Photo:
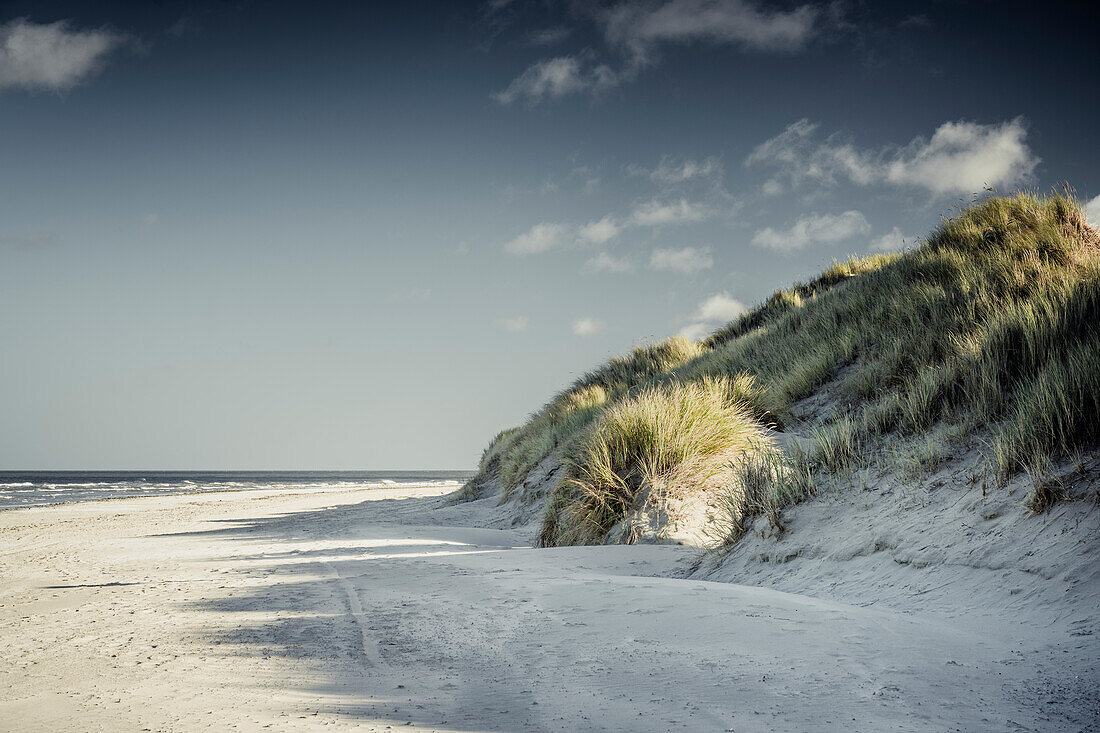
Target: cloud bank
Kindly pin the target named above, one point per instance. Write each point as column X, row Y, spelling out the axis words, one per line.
column 637, row 30
column 641, row 28
column 53, row 56
column 960, row 157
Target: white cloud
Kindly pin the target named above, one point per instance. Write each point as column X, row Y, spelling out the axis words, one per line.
column 658, row 213
column 961, row 157
column 813, row 229
column 688, row 260
column 549, row 235
column 964, row 157
column 1092, row 212
column 515, row 325
column 636, row 30
column 797, row 154
column 892, row 241
column 604, row 262
column 587, row 326
column 598, row 232
column 720, row 307
column 672, row 171
column 713, row 312
column 681, row 182
column 671, row 207
column 51, row 56
column 550, row 78
column 553, row 78
column 539, row 238
column 639, row 27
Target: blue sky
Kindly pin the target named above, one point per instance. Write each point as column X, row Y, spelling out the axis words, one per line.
column 258, row 235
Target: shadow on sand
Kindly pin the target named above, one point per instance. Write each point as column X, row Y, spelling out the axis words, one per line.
column 368, row 601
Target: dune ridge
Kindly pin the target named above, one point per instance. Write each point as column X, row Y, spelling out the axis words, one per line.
column 978, row 349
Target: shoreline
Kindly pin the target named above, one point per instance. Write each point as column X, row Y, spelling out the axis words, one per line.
column 257, row 493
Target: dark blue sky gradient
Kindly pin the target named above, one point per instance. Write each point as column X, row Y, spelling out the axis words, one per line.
column 271, row 235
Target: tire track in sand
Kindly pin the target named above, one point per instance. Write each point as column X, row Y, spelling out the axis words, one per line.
column 368, row 642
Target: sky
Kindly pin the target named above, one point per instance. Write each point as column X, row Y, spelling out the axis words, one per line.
column 255, row 235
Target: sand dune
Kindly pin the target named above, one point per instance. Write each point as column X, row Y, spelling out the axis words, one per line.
column 384, row 608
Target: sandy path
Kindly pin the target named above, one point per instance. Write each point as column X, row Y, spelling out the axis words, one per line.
column 386, row 608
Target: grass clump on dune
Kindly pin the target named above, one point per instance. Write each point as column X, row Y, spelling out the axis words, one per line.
column 991, row 326
column 666, row 438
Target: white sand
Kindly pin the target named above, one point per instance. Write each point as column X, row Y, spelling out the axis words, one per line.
column 382, row 608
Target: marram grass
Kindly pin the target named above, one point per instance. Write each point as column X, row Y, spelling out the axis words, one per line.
column 991, row 325
column 666, row 438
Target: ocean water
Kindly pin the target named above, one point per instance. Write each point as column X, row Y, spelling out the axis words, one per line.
column 39, row 488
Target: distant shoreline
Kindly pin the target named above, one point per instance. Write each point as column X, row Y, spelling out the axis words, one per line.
column 30, row 490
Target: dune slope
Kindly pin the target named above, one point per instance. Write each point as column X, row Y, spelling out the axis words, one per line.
column 980, row 347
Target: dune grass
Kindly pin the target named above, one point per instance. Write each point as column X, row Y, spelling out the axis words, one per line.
column 666, row 438
column 991, row 325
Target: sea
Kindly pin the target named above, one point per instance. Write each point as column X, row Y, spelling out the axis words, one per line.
column 41, row 488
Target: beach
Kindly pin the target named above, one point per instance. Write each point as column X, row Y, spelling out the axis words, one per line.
column 384, row 608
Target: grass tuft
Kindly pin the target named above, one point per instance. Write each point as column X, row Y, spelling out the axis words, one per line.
column 836, row 446
column 664, row 439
